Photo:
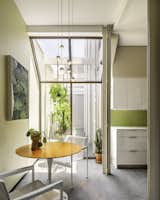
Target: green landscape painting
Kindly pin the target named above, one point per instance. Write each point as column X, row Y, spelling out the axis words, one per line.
column 18, row 97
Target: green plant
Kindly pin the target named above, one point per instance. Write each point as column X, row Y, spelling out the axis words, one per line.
column 61, row 113
column 98, row 141
column 36, row 138
column 33, row 133
column 58, row 93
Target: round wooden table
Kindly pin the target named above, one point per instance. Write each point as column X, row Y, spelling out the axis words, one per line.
column 49, row 151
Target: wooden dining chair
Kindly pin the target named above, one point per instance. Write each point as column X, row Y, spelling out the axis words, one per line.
column 35, row 190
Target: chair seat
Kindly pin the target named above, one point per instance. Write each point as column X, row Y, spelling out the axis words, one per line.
column 51, row 195
column 66, row 162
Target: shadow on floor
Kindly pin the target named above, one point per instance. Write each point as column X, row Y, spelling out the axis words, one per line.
column 124, row 184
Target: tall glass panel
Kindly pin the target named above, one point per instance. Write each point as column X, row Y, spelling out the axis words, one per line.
column 56, row 110
column 86, row 111
column 86, row 59
column 52, row 58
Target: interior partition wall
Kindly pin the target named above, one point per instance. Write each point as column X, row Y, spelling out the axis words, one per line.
column 71, row 65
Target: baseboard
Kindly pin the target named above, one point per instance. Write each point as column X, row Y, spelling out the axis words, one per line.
column 90, row 157
column 131, row 166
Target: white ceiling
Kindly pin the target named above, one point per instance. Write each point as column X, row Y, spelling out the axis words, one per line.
column 128, row 16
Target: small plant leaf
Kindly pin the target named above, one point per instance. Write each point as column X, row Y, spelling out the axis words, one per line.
column 44, row 140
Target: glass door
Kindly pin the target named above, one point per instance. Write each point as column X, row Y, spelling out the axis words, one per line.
column 86, row 111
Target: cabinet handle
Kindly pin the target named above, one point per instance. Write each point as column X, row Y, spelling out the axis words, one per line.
column 133, row 151
column 133, row 137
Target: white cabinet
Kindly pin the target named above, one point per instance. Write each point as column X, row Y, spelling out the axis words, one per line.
column 120, row 99
column 129, row 93
column 129, row 147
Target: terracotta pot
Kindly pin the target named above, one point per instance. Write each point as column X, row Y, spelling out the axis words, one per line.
column 98, row 158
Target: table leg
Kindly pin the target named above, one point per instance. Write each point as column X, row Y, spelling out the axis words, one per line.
column 49, row 161
column 87, row 162
column 71, row 171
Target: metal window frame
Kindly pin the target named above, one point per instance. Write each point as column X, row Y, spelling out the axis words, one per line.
column 105, row 65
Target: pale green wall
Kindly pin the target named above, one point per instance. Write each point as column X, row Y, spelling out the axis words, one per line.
column 33, row 98
column 130, row 61
column 13, row 41
column 128, row 118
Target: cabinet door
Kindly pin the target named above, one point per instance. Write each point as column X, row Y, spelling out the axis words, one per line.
column 132, row 143
column 144, row 99
column 132, row 158
column 119, row 93
column 132, row 132
column 133, row 93
column 129, row 93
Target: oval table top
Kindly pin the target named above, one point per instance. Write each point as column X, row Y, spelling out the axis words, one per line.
column 50, row 150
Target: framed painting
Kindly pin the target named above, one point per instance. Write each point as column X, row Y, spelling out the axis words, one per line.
column 18, row 90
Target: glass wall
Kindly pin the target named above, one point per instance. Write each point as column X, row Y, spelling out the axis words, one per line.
column 56, row 110
column 70, row 72
column 87, row 59
column 86, row 111
column 69, row 59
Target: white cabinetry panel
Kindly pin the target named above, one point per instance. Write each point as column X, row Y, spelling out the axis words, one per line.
column 131, row 144
column 131, row 158
column 138, row 132
column 128, row 146
column 120, row 97
column 129, row 93
column 144, row 93
column 133, row 94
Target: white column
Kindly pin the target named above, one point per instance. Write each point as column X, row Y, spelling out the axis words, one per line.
column 154, row 100
column 106, row 88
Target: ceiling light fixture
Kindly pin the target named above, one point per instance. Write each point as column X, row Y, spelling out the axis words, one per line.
column 73, row 78
column 58, row 58
column 61, row 69
column 61, row 22
column 61, row 46
column 68, row 69
column 70, row 23
column 69, row 62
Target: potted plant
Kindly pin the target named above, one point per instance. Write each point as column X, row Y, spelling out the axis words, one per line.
column 98, row 145
column 36, row 137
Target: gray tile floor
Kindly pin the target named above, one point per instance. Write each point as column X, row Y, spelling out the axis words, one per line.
column 121, row 185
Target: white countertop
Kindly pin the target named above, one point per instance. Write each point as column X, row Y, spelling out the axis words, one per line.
column 129, row 127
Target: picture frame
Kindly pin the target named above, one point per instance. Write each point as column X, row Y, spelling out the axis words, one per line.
column 18, row 90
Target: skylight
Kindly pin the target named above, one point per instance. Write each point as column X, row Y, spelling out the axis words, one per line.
column 64, row 59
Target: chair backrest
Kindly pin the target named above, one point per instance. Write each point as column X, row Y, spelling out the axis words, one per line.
column 83, row 141
column 3, row 191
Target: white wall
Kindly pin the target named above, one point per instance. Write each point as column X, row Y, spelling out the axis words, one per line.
column 13, row 41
